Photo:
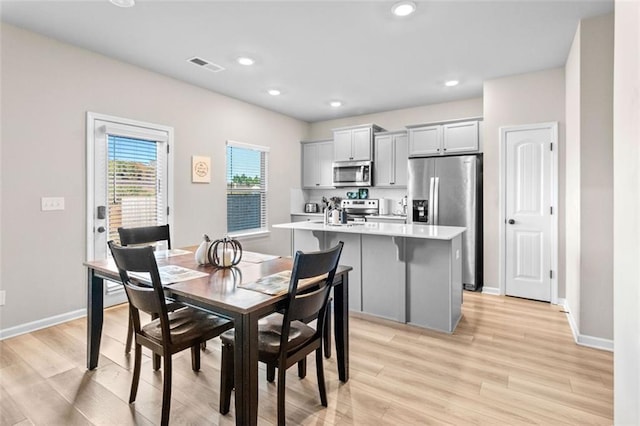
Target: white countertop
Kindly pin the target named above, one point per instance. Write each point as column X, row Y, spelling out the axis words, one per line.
column 389, row 229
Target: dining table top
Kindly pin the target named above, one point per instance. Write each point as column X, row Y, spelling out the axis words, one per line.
column 218, row 287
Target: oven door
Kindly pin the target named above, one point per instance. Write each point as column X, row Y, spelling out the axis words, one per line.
column 356, row 173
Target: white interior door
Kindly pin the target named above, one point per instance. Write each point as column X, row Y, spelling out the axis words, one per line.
column 528, row 204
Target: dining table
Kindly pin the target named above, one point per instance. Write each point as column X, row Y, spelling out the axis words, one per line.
column 227, row 292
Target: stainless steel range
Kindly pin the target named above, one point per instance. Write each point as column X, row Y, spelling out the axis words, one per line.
column 358, row 210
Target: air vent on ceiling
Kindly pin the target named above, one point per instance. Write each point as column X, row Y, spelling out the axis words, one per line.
column 206, row 64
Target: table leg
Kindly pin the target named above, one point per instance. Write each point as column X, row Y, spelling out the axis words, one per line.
column 95, row 295
column 246, row 369
column 341, row 324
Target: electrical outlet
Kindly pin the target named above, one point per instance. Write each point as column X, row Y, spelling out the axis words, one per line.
column 3, row 297
column 51, row 203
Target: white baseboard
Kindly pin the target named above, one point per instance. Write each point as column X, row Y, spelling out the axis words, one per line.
column 583, row 339
column 40, row 324
column 491, row 290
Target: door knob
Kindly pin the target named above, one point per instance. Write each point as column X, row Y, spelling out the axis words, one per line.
column 511, row 221
column 101, row 229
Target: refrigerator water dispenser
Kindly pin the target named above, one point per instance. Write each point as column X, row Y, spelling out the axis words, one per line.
column 420, row 211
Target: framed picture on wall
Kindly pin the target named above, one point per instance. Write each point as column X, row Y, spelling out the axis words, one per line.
column 200, row 169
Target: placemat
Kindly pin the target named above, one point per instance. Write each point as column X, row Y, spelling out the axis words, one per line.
column 170, row 274
column 274, row 284
column 253, row 257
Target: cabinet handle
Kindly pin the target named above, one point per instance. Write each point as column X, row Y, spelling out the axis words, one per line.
column 444, row 149
column 317, row 184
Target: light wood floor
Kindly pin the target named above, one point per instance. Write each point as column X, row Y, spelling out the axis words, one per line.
column 510, row 361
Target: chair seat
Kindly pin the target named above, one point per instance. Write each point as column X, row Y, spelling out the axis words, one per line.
column 186, row 325
column 269, row 331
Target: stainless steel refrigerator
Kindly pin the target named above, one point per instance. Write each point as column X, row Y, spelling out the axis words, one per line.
column 448, row 191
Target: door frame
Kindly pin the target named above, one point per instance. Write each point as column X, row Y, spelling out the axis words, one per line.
column 92, row 117
column 502, row 275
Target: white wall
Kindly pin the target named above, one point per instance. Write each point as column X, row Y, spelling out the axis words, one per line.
column 589, row 257
column 520, row 99
column 626, row 151
column 596, row 177
column 47, row 88
column 398, row 119
column 572, row 177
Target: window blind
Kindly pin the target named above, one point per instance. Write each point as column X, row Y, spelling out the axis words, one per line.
column 246, row 188
column 134, row 194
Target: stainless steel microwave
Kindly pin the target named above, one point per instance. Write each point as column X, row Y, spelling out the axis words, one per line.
column 352, row 173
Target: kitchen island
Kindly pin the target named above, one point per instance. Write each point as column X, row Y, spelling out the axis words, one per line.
column 407, row 273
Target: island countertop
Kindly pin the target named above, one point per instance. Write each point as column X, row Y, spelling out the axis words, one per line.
column 389, row 229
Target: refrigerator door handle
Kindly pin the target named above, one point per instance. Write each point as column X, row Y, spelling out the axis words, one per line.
column 430, row 203
column 436, row 186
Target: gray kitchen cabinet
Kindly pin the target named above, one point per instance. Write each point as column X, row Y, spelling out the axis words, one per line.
column 354, row 143
column 446, row 138
column 425, row 140
column 430, row 262
column 387, row 219
column 391, row 154
column 351, row 256
column 317, row 157
column 384, row 277
column 460, row 137
column 308, row 217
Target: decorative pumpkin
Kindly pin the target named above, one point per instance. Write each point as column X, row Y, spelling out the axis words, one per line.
column 225, row 253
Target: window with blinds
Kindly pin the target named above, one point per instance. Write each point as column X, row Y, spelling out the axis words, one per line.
column 134, row 196
column 246, row 188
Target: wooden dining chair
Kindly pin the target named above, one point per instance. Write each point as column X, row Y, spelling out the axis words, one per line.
column 171, row 332
column 285, row 339
column 145, row 235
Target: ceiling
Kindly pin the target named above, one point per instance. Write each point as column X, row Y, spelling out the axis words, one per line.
column 318, row 51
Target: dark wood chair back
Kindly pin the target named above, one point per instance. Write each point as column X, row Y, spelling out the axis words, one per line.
column 141, row 297
column 310, row 304
column 144, row 235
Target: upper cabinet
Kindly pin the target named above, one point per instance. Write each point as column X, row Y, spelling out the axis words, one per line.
column 446, row 138
column 354, row 143
column 317, row 157
column 391, row 154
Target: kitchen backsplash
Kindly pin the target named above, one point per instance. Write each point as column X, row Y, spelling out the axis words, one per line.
column 299, row 196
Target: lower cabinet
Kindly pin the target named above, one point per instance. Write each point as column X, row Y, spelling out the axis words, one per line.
column 312, row 241
column 350, row 256
column 384, row 277
column 429, row 264
column 380, row 219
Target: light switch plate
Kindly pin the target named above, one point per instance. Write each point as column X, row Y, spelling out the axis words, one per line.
column 3, row 297
column 51, row 203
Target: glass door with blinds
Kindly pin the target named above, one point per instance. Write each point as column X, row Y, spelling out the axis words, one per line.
column 130, row 184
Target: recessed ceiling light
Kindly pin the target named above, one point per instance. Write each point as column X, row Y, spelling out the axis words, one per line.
column 403, row 8
column 451, row 83
column 123, row 3
column 335, row 104
column 274, row 92
column 245, row 60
